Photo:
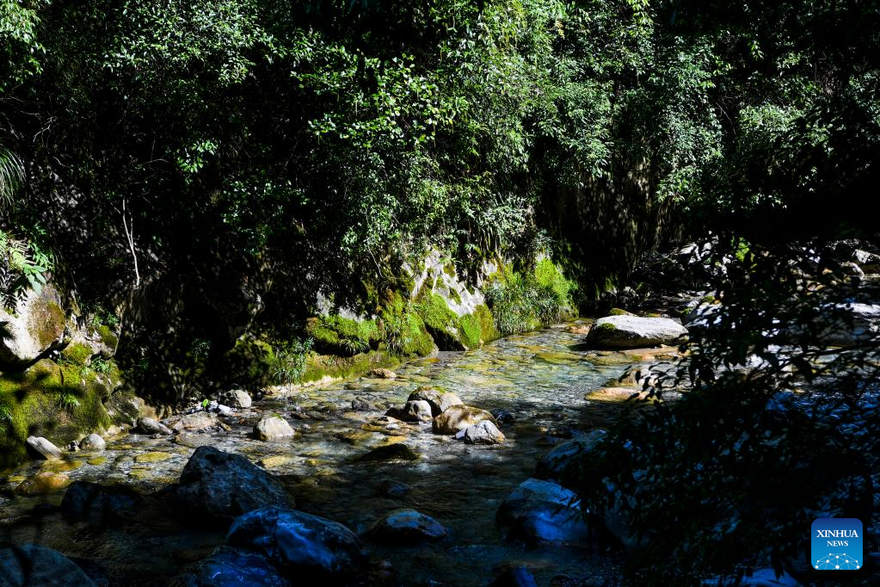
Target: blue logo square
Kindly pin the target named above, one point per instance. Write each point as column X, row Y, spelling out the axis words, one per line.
column 836, row 544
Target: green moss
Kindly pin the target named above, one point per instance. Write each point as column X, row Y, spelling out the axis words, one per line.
column 32, row 404
column 618, row 312
column 47, row 323
column 248, row 363
column 548, row 275
column 488, row 332
column 320, row 366
column 606, row 327
column 404, row 331
column 471, row 331
column 435, row 313
column 343, row 336
column 108, row 337
column 77, row 353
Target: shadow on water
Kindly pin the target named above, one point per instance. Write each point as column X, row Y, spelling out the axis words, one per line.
column 540, row 378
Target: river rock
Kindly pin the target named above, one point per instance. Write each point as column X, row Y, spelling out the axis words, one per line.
column 239, row 398
column 412, row 411
column 562, row 463
column 503, row 416
column 32, row 565
column 861, row 325
column 151, row 426
column 99, row 504
column 233, row 567
column 393, row 489
column 35, row 327
column 484, row 432
column 440, row 401
column 311, row 549
column 220, row 486
column 628, row 332
column 382, row 374
column 273, row 428
column 195, row 422
column 458, row 418
column 515, row 577
column 92, row 442
column 40, row 448
column 406, row 526
column 390, row 452
column 194, row 439
column 43, row 483
column 868, row 262
column 543, row 512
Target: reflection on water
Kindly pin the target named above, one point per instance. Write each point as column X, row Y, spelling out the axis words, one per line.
column 541, row 378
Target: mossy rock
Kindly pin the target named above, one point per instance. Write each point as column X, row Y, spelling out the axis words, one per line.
column 343, row 336
column 107, row 336
column 248, row 363
column 77, row 353
column 62, row 402
column 319, row 366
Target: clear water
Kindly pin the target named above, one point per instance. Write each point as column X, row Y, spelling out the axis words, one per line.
column 540, row 377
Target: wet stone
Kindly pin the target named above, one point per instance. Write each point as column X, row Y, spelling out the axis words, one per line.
column 43, row 483
column 406, row 526
column 390, row 452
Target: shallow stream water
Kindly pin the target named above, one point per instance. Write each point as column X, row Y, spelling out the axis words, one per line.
column 541, row 378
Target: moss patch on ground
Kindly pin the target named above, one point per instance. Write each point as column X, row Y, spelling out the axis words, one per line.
column 60, row 401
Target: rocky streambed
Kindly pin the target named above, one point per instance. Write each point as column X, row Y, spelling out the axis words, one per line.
column 331, row 468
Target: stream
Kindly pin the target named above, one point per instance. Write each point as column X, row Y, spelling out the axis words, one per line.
column 540, row 378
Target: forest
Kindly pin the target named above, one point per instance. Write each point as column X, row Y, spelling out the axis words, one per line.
column 508, row 292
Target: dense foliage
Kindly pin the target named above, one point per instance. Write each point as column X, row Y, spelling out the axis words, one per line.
column 776, row 427
column 176, row 148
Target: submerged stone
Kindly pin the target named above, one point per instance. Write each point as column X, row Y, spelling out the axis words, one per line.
column 543, row 512
column 307, row 547
column 406, row 526
column 35, row 565
column 98, row 504
column 234, row 567
column 390, row 452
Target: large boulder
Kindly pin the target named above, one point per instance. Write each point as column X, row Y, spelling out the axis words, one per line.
column 406, row 526
column 440, row 401
column 629, row 332
column 273, row 428
column 563, row 462
column 233, row 567
column 543, row 512
column 93, row 442
column 311, row 549
column 34, row 328
column 32, row 564
column 484, row 432
column 459, row 418
column 412, row 411
column 220, row 486
column 99, row 504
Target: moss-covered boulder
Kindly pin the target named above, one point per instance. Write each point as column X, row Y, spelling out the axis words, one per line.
column 343, row 336
column 35, row 326
column 59, row 401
